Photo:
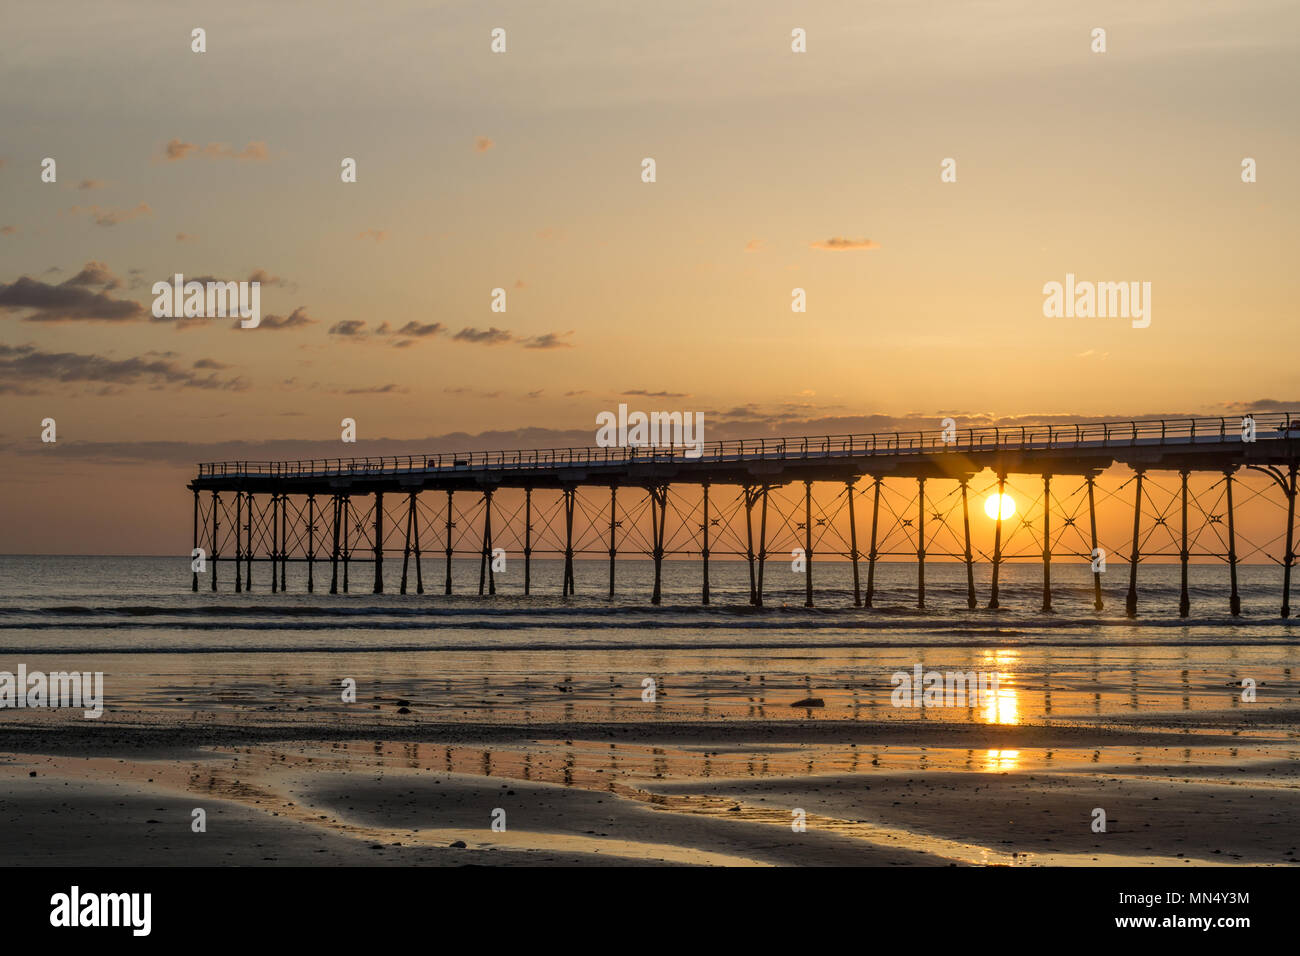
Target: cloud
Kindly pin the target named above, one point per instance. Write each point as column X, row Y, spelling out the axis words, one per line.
column 184, row 237
column 405, row 337
column 482, row 144
column 754, row 245
column 297, row 319
column 350, row 327
column 839, row 244
column 379, row 235
column 8, row 230
column 490, row 336
column 377, row 390
column 176, row 150
column 111, row 217
column 95, row 274
column 87, row 184
column 1260, row 405
column 25, row 363
column 265, row 278
column 465, row 390
column 210, row 363
column 181, row 323
column 260, row 276
column 549, row 340
column 476, row 336
column 749, row 421
column 71, row 301
column 421, row 329
column 644, row 394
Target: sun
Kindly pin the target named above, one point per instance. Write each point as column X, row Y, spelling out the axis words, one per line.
column 991, row 506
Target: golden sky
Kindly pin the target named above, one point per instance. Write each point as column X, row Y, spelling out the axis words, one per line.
column 522, row 171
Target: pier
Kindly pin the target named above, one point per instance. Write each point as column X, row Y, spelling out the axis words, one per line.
column 751, row 499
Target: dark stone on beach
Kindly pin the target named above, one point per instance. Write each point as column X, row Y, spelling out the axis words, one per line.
column 458, row 845
column 403, row 703
column 809, row 702
column 32, row 774
column 403, row 710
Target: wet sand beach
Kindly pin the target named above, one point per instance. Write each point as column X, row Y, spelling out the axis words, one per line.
column 1220, row 790
column 601, row 735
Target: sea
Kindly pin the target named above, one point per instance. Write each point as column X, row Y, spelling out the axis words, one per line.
column 515, row 657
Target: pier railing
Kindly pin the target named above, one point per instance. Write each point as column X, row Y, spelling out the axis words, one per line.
column 1100, row 435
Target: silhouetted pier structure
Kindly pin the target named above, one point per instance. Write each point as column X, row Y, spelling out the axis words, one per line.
column 333, row 512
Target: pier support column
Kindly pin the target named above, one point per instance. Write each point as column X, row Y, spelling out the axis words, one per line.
column 1234, row 599
column 762, row 547
column 345, row 508
column 415, row 512
column 334, row 550
column 284, row 543
column 528, row 540
column 1092, row 522
column 274, row 554
column 750, row 498
column 613, row 548
column 216, row 510
column 920, row 542
column 1290, row 544
column 569, row 494
column 379, row 542
column 282, row 563
column 406, row 544
column 872, row 554
column 1131, row 602
column 970, row 561
column 1184, row 599
column 853, row 543
column 194, row 575
column 807, row 544
column 311, row 543
column 239, row 542
column 704, row 593
column 450, row 525
column 248, row 545
column 997, row 545
column 485, row 575
column 659, row 518
column 1047, row 544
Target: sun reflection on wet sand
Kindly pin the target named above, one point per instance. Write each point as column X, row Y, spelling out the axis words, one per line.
column 998, row 760
column 1002, row 706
